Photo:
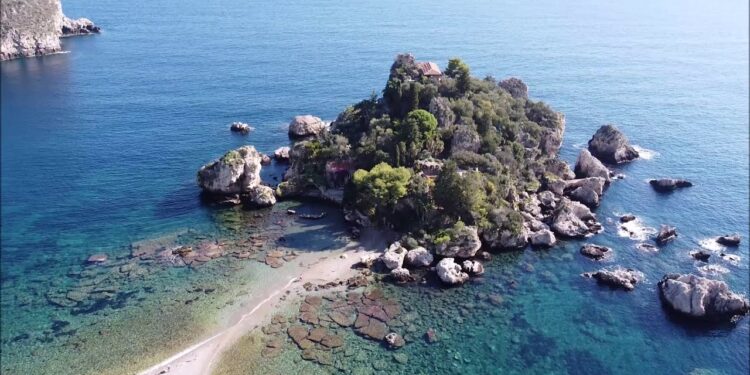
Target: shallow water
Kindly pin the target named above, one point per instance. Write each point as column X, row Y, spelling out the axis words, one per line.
column 100, row 148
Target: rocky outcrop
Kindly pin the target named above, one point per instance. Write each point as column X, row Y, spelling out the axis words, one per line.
column 589, row 166
column 240, row 127
column 622, row 278
column 665, row 185
column 261, row 196
column 465, row 139
column 281, row 154
column 401, row 275
column 450, row 272
column 586, row 190
column 441, row 109
column 595, row 251
column 34, row 27
column 464, row 243
column 701, row 255
column 729, row 240
column 298, row 184
column 611, row 146
column 701, row 298
column 419, row 257
column 627, row 218
column 394, row 256
column 515, row 87
column 306, row 126
column 666, row 234
column 472, row 267
column 504, row 239
column 543, row 238
column 237, row 175
column 574, row 220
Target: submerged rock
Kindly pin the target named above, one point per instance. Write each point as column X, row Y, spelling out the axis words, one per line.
column 450, row 272
column 669, row 184
column 729, row 240
column 97, row 258
column 701, row 298
column 394, row 340
column 610, row 145
column 306, row 126
column 624, row 278
column 595, row 251
column 589, row 166
column 464, row 243
column 666, row 234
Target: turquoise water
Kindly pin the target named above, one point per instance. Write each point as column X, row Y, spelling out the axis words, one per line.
column 100, row 148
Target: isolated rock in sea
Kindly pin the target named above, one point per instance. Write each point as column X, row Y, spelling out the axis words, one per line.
column 729, row 240
column 701, row 298
column 419, row 257
column 589, row 166
column 265, row 159
column 515, row 87
column 543, row 238
column 394, row 257
column 450, row 272
column 627, row 218
column 665, row 185
column 237, row 172
column 701, row 255
column 281, row 153
column 610, row 145
column 34, row 27
column 240, row 127
column 473, row 267
column 394, row 340
column 624, row 278
column 261, row 196
column 464, row 243
column 306, row 126
column 401, row 275
column 595, row 251
column 574, row 220
column 666, row 234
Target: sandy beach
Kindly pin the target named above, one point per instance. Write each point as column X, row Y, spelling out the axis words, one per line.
column 317, row 268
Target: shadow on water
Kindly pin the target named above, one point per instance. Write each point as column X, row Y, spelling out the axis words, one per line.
column 180, row 202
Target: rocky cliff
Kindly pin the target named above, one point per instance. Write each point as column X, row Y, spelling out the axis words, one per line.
column 34, row 27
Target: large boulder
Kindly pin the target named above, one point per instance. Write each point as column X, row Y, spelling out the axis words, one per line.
column 261, row 196
column 306, row 126
column 665, row 185
column 81, row 26
column 589, row 166
column 515, row 87
column 237, row 172
column 729, row 240
column 543, row 238
column 610, row 145
column 574, row 220
column 464, row 243
column 401, row 275
column 419, row 257
column 595, row 251
column 623, row 278
column 666, row 234
column 473, row 267
column 281, row 153
column 450, row 272
column 701, row 298
column 394, row 256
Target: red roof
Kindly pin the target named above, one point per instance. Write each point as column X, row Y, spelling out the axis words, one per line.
column 429, row 68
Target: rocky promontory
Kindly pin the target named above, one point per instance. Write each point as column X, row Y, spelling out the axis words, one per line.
column 34, row 28
column 235, row 178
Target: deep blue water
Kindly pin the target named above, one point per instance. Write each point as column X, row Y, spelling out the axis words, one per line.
column 100, row 145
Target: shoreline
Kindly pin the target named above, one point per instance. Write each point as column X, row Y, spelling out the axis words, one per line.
column 318, row 267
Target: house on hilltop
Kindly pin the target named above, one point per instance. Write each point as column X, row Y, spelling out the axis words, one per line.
column 429, row 69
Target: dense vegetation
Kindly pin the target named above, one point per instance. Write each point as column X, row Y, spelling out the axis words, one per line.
column 432, row 153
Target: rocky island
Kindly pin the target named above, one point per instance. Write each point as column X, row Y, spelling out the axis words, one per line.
column 34, row 28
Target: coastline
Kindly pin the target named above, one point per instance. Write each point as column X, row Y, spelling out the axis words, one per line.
column 318, row 267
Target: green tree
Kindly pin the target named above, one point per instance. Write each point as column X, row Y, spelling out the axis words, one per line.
column 379, row 190
column 461, row 197
column 460, row 71
column 417, row 132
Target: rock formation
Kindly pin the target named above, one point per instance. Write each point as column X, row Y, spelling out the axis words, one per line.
column 464, row 244
column 419, row 257
column 281, row 153
column 394, row 256
column 34, row 27
column 623, row 278
column 665, row 185
column 450, row 272
column 589, row 166
column 701, row 298
column 574, row 220
column 306, row 126
column 595, row 251
column 515, row 87
column 240, row 127
column 729, row 240
column 666, row 234
column 611, row 146
column 236, row 174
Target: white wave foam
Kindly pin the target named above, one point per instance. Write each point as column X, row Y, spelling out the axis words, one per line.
column 635, row 230
column 711, row 244
column 579, row 146
column 713, row 269
column 645, row 153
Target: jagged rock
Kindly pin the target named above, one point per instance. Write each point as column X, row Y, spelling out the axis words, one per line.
column 465, row 139
column 238, row 171
column 419, row 257
column 441, row 109
column 306, row 126
column 701, row 255
column 394, row 340
column 450, row 272
column 464, row 243
column 473, row 267
column 666, row 234
column 81, row 26
column 574, row 220
column 665, row 185
column 627, row 218
column 553, row 126
column 611, row 146
column 543, row 238
column 401, row 275
column 595, row 251
column 585, row 195
column 729, row 240
column 261, row 196
column 701, row 298
column 547, row 199
column 589, row 166
column 624, row 278
column 281, row 153
column 240, row 127
column 394, row 256
column 515, row 87
column 505, row 239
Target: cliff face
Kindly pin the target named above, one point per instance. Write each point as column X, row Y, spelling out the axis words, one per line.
column 34, row 27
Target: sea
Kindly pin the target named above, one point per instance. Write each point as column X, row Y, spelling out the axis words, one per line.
column 101, row 144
